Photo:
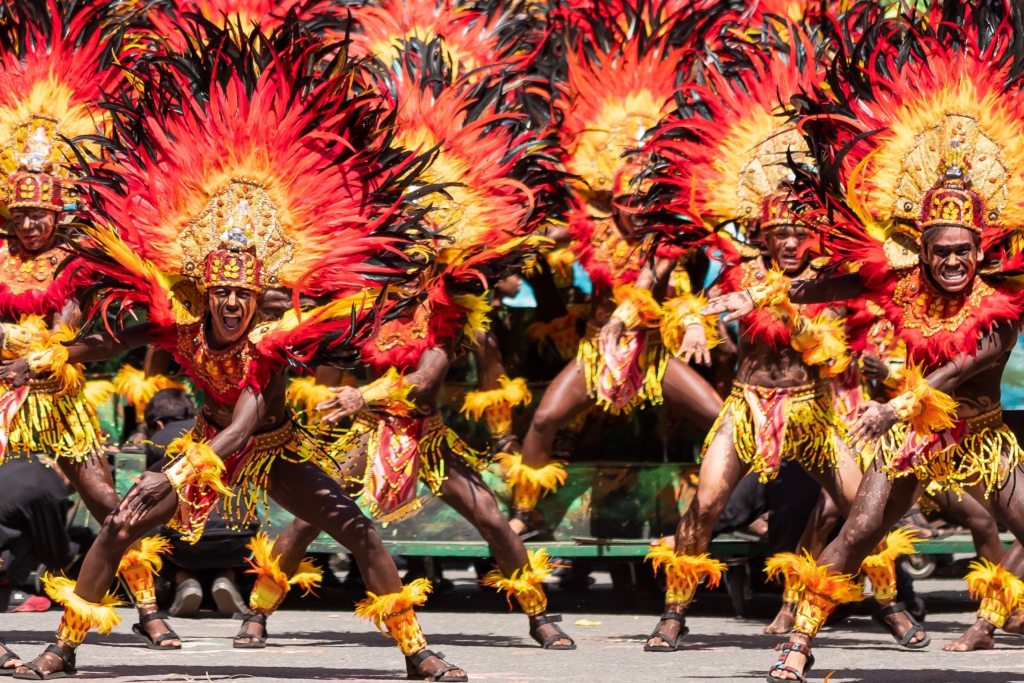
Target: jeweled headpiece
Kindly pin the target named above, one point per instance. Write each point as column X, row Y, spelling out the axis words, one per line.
column 779, row 210
column 951, row 203
column 58, row 62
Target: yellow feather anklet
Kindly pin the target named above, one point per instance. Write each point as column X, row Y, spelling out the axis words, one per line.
column 683, row 573
column 525, row 583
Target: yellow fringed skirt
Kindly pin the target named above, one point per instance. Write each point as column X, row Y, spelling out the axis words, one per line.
column 400, row 451
column 771, row 424
column 621, row 385
column 61, row 425
column 976, row 450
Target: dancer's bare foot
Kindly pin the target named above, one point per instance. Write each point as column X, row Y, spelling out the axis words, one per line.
column 48, row 662
column 977, row 637
column 795, row 660
column 1015, row 623
column 157, row 627
column 784, row 620
column 518, row 525
column 10, row 663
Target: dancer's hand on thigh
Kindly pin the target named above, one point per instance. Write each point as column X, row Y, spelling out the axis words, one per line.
column 15, row 372
column 149, row 490
column 874, row 421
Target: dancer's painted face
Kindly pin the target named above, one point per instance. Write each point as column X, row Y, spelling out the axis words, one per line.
column 231, row 311
column 951, row 255
column 33, row 227
column 784, row 244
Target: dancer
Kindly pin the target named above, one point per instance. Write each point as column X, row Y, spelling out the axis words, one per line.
column 926, row 235
column 781, row 404
column 65, row 58
column 612, row 56
column 227, row 176
column 398, row 438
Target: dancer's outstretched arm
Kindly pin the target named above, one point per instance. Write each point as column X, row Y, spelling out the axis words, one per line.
column 825, row 290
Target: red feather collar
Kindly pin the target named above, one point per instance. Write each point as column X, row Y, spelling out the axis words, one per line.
column 937, row 327
column 762, row 323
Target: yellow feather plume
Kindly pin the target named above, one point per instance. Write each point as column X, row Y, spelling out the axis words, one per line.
column 513, row 392
column 478, row 310
column 205, row 463
column 636, row 307
column 935, row 410
column 101, row 617
column 985, row 575
column 97, row 392
column 837, row 588
column 307, row 577
column 148, row 554
column 679, row 313
column 899, row 542
column 822, row 341
column 781, row 565
column 305, row 394
column 137, row 389
column 548, row 477
column 539, row 567
column 376, row 608
column 389, row 393
column 264, row 562
column 695, row 567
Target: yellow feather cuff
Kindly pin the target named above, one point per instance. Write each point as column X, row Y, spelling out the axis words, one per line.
column 837, row 588
column 53, row 359
column 17, row 340
column 147, row 555
column 390, row 393
column 549, row 477
column 683, row 573
column 305, row 394
column 985, row 576
column 307, row 577
column 785, row 565
column 198, row 465
column 926, row 409
column 264, row 562
column 822, row 341
column 100, row 616
column 636, row 307
column 512, row 392
column 898, row 543
column 773, row 293
column 377, row 608
column 523, row 581
column 681, row 312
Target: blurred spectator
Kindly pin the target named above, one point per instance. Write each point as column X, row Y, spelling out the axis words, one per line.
column 34, row 507
column 168, row 415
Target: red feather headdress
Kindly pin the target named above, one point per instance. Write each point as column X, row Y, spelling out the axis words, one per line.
column 237, row 164
column 57, row 58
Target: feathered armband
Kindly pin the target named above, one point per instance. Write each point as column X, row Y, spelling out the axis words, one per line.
column 683, row 312
column 822, row 341
column 195, row 463
column 52, row 359
column 773, row 293
column 926, row 409
column 389, row 394
column 636, row 307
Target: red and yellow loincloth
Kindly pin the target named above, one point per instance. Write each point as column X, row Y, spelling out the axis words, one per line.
column 769, row 423
column 41, row 417
column 622, row 378
column 245, row 473
column 400, row 452
column 976, row 450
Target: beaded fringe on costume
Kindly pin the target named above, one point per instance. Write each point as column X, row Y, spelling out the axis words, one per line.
column 771, row 423
column 80, row 615
column 394, row 615
column 683, row 573
column 526, row 583
column 976, row 450
column 62, row 425
column 1000, row 591
column 621, row 385
column 137, row 568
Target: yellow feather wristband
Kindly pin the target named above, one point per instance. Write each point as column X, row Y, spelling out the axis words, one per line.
column 52, row 359
column 822, row 341
column 390, row 393
column 680, row 313
column 17, row 340
column 927, row 410
column 636, row 307
column 773, row 293
column 197, row 465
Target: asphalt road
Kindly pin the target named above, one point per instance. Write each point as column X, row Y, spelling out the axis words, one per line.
column 493, row 646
